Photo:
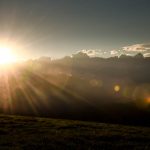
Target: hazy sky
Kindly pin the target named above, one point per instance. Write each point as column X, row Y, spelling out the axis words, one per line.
column 62, row 27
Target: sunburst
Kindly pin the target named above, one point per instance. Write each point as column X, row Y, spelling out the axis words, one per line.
column 6, row 55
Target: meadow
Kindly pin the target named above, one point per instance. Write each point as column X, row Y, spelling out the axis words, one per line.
column 20, row 132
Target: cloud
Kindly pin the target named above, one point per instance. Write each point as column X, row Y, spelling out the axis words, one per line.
column 91, row 52
column 137, row 48
column 147, row 55
column 114, row 52
column 126, row 50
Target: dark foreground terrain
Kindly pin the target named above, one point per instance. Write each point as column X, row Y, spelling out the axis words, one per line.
column 17, row 132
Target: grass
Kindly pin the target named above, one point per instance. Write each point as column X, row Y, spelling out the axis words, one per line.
column 19, row 132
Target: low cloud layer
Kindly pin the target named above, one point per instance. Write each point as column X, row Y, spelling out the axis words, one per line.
column 91, row 52
column 147, row 55
column 127, row 50
column 132, row 50
column 114, row 52
column 137, row 48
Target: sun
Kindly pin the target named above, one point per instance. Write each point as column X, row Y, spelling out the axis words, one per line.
column 6, row 55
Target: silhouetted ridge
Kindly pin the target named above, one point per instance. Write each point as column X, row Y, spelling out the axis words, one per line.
column 115, row 89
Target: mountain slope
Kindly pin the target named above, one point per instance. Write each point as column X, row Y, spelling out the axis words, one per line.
column 18, row 132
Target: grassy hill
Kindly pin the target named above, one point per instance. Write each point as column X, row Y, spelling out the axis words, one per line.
column 18, row 132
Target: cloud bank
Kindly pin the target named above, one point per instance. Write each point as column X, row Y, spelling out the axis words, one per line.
column 91, row 52
column 147, row 55
column 114, row 52
column 126, row 50
column 137, row 48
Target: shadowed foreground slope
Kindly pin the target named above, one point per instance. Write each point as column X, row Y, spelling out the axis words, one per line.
column 18, row 132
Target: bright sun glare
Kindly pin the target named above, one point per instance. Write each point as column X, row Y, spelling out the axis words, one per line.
column 6, row 55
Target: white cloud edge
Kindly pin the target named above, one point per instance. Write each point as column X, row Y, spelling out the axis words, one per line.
column 127, row 50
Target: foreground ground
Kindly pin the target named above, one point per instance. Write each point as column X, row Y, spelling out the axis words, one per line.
column 17, row 132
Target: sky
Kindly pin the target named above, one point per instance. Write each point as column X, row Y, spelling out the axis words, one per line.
column 57, row 28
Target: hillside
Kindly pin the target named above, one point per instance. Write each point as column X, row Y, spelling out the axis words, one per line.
column 18, row 132
column 113, row 90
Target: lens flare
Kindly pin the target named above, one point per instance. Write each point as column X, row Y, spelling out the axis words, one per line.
column 148, row 100
column 117, row 88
